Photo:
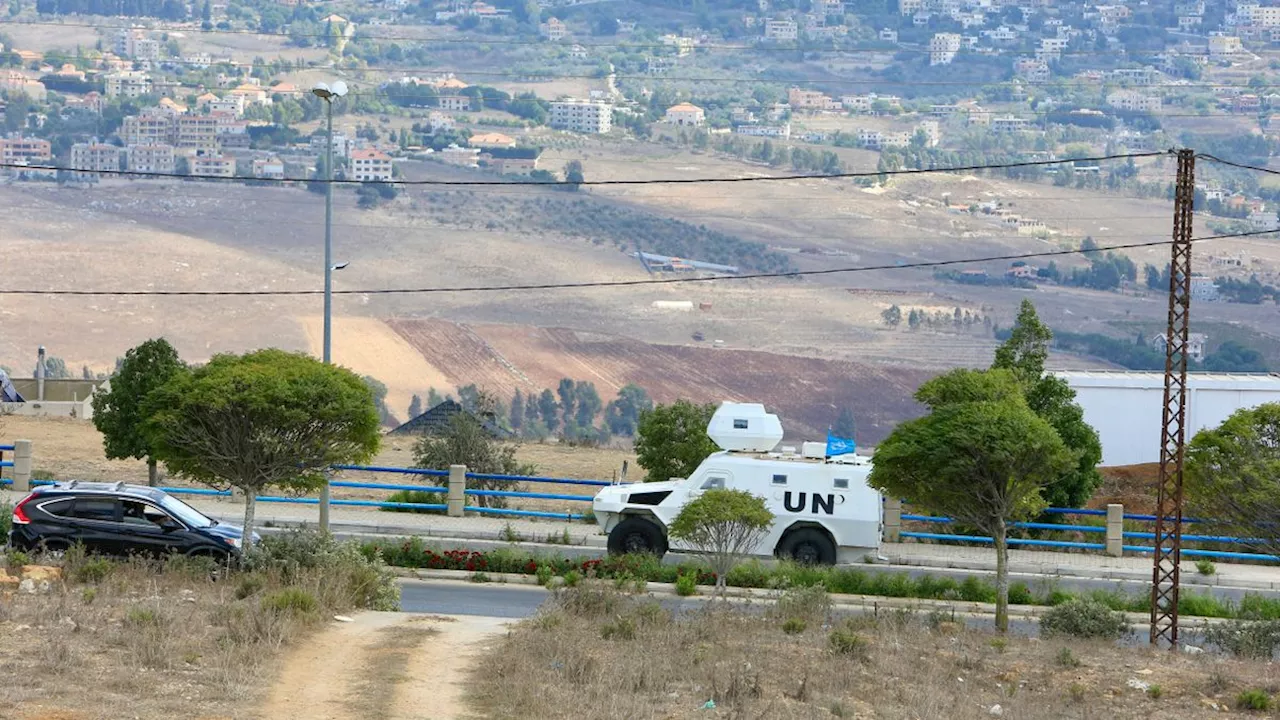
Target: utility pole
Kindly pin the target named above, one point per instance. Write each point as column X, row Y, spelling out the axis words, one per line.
column 1168, row 532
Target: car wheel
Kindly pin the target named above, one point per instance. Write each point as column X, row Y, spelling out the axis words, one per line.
column 808, row 546
column 637, row 535
column 53, row 547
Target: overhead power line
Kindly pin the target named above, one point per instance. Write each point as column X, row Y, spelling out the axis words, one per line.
column 599, row 183
column 359, row 35
column 614, row 283
column 1242, row 166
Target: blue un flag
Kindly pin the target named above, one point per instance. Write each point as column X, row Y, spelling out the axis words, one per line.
column 839, row 445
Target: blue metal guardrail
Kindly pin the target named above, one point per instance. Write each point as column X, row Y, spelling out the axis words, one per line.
column 1061, row 544
column 392, row 487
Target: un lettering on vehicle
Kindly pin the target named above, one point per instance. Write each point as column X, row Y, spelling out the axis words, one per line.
column 818, row 503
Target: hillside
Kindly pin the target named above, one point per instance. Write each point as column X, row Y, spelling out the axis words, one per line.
column 806, row 392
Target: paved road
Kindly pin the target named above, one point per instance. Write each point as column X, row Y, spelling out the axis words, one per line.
column 444, row 597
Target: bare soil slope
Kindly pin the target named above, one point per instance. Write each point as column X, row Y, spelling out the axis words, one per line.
column 807, row 392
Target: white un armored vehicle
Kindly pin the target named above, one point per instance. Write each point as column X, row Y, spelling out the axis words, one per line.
column 824, row 511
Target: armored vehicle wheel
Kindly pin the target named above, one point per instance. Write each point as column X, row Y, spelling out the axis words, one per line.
column 637, row 535
column 808, row 546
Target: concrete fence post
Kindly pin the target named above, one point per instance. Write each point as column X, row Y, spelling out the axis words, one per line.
column 1115, row 530
column 21, row 465
column 457, row 490
column 892, row 520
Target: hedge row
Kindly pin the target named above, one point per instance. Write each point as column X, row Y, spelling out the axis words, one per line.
column 414, row 553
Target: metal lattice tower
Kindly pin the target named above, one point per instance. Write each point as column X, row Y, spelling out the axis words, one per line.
column 1168, row 540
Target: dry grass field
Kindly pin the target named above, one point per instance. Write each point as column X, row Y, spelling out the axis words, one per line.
column 600, row 654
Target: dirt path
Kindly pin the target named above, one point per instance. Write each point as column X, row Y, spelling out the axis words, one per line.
column 382, row 666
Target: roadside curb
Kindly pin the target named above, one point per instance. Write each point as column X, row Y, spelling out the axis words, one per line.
column 1187, row 578
column 875, row 603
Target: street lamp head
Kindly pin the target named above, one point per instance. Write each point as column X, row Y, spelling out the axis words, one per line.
column 341, row 265
column 328, row 92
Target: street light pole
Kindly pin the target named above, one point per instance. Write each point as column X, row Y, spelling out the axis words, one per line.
column 327, row 94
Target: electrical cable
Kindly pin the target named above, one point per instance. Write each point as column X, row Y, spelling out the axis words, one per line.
column 616, row 283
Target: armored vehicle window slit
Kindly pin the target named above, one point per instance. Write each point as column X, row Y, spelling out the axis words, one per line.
column 779, row 479
column 739, row 424
column 842, row 483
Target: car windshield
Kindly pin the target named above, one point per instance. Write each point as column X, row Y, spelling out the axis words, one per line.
column 184, row 512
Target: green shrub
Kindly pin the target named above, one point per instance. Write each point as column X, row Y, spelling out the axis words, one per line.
column 572, row 578
column 16, row 559
column 291, row 601
column 1083, row 618
column 1253, row 700
column 138, row 617
column 1067, row 659
column 6, row 518
column 544, row 574
column 479, row 577
column 1204, row 566
column 1154, row 692
column 352, row 577
column 806, row 603
column 793, row 626
column 416, row 497
column 88, row 595
column 92, row 570
column 848, row 643
column 687, row 585
column 1251, row 639
column 1258, row 607
column 249, row 585
column 1203, row 605
column 999, row 644
column 1020, row 594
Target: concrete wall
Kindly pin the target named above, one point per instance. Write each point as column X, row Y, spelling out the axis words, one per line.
column 62, row 398
column 1126, row 407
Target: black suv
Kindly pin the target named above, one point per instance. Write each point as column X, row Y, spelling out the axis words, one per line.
column 118, row 519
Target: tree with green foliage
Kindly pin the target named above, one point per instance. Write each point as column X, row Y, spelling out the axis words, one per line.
column 587, row 404
column 672, row 440
column 892, row 316
column 465, row 441
column 1024, row 354
column 622, row 415
column 415, row 407
column 845, row 426
column 267, row 419
column 1233, row 476
column 119, row 412
column 726, row 525
column 379, row 391
column 550, row 410
column 433, row 398
column 573, row 174
column 981, row 456
column 567, row 393
column 517, row 410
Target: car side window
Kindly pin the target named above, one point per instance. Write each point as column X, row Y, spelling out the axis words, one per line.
column 103, row 509
column 58, row 508
column 714, row 483
column 140, row 513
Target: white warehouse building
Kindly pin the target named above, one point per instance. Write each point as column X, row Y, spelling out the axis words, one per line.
column 1126, row 408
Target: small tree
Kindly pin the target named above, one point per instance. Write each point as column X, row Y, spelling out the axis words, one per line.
column 1233, row 476
column 672, row 440
column 268, row 419
column 623, row 414
column 1024, row 354
column 892, row 316
column 980, row 456
column 379, row 391
column 466, row 442
column 415, row 407
column 119, row 413
column 548, row 407
column 725, row 524
column 573, row 173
